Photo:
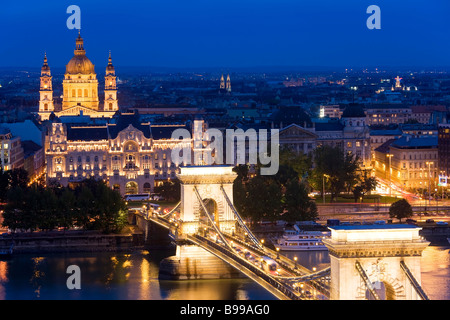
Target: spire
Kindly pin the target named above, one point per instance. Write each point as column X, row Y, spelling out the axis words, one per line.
column 45, row 66
column 222, row 83
column 110, row 67
column 228, row 83
column 79, row 45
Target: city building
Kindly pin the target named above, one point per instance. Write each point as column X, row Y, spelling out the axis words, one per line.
column 34, row 159
column 444, row 149
column 80, row 88
column 130, row 155
column 424, row 114
column 11, row 151
column 409, row 162
column 386, row 114
column 330, row 111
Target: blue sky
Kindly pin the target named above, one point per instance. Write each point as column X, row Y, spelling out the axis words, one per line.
column 233, row 33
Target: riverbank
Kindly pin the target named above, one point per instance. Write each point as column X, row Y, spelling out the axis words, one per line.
column 71, row 241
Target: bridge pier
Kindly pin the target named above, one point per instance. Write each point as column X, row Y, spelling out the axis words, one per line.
column 192, row 263
column 379, row 262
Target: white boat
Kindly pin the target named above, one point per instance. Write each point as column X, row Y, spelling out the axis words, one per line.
column 298, row 240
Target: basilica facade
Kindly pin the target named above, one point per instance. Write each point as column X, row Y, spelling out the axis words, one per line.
column 80, row 88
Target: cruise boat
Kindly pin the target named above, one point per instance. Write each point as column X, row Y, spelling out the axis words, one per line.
column 298, row 240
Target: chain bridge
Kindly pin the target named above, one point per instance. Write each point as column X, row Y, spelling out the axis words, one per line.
column 206, row 218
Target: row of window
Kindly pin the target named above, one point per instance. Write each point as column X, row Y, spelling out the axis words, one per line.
column 79, row 93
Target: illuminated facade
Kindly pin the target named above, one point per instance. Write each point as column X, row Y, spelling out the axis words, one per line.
column 413, row 163
column 80, row 88
column 129, row 155
column 375, row 262
column 11, row 151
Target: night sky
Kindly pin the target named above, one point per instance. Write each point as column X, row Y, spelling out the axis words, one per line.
column 233, row 33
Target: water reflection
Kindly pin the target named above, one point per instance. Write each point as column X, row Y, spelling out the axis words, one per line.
column 134, row 276
column 319, row 259
column 435, row 266
column 111, row 276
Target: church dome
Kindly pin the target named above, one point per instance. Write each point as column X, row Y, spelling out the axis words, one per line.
column 80, row 63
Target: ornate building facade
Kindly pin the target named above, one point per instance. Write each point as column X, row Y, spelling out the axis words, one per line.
column 130, row 155
column 80, row 88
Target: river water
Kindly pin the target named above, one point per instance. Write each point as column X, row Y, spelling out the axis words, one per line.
column 123, row 276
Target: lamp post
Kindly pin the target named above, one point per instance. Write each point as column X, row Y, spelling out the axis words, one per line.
column 390, row 155
column 278, row 252
column 323, row 185
column 295, row 259
column 429, row 163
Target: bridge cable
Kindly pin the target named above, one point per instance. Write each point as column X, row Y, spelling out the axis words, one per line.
column 241, row 222
column 210, row 219
column 366, row 280
column 413, row 281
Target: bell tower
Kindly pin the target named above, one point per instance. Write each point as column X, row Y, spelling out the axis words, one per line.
column 46, row 91
column 228, row 88
column 111, row 103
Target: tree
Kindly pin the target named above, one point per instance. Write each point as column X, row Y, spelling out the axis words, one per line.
column 340, row 168
column 400, row 209
column 170, row 190
column 262, row 200
column 365, row 184
column 300, row 163
column 297, row 204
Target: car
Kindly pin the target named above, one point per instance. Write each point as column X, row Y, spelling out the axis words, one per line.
column 380, row 222
column 429, row 221
column 410, row 221
column 441, row 223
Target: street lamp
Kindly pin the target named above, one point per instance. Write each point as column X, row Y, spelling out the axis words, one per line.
column 390, row 155
column 295, row 259
column 278, row 252
column 323, row 185
column 429, row 163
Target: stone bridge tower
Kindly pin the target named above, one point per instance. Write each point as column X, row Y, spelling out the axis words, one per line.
column 376, row 262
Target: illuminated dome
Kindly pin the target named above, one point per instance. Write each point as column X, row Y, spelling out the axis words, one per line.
column 80, row 63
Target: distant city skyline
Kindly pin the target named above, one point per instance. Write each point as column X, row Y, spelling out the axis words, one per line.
column 230, row 35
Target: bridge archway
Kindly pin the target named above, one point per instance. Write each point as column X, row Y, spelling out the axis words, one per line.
column 213, row 209
column 208, row 183
column 384, row 290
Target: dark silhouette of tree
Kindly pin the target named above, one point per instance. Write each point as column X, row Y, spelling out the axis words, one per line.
column 400, row 209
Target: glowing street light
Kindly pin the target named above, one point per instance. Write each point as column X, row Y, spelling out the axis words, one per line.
column 390, row 155
column 295, row 259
